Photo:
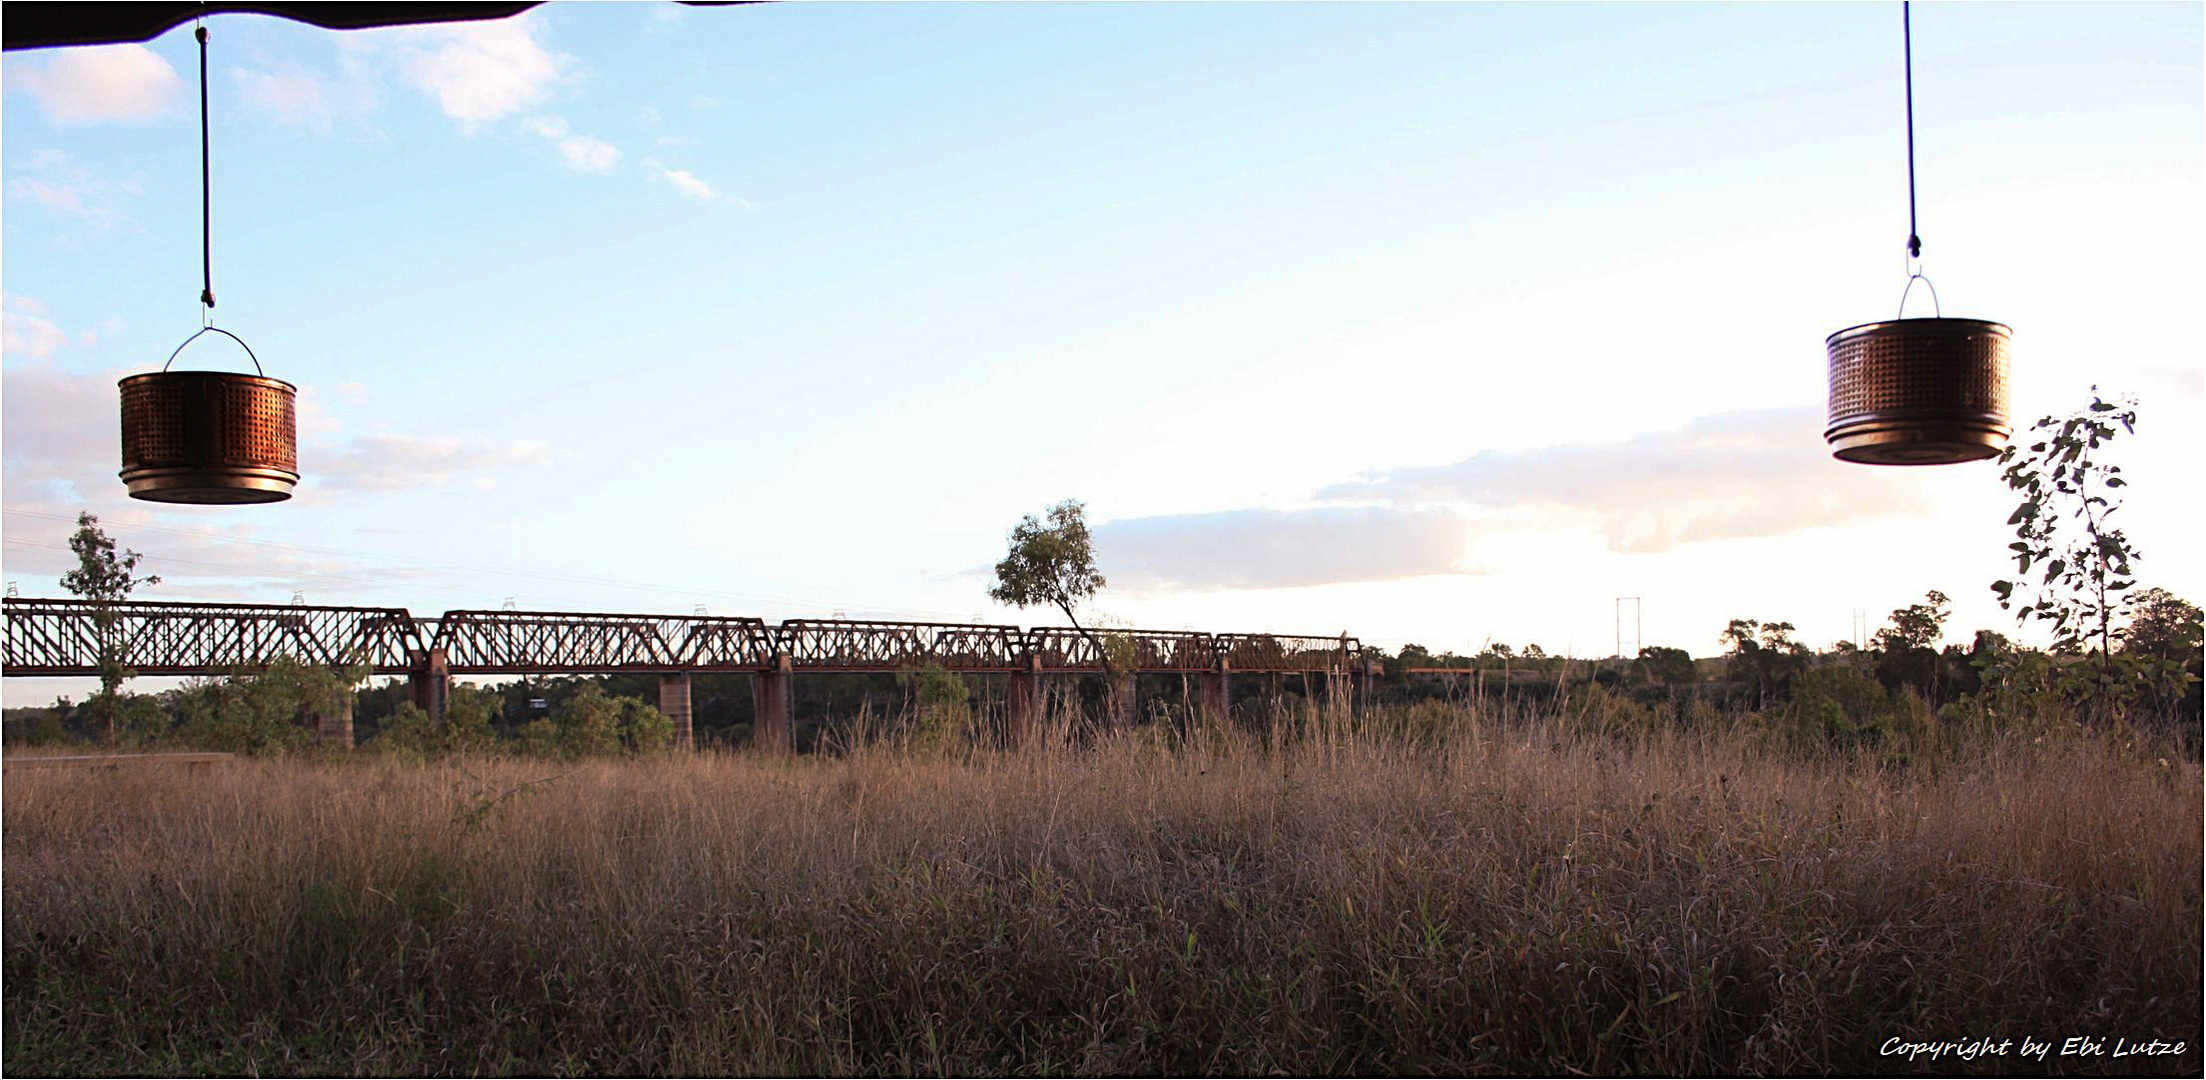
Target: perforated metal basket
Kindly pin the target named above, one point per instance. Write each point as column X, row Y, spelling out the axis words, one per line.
column 1919, row 392
column 209, row 436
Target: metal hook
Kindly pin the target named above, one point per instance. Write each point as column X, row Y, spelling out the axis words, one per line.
column 1937, row 311
column 225, row 333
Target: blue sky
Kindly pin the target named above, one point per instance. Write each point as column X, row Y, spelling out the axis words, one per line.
column 1443, row 323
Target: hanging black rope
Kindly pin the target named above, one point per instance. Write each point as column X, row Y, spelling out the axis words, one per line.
column 206, row 197
column 1907, row 54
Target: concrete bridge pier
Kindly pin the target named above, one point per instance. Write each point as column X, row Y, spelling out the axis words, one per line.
column 1360, row 678
column 1023, row 705
column 1122, row 702
column 431, row 681
column 674, row 704
column 1340, row 695
column 771, row 731
column 1214, row 692
column 334, row 724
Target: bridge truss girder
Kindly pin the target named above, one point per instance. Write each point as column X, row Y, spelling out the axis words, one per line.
column 65, row 637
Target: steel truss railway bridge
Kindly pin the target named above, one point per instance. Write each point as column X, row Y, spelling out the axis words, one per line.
column 54, row 637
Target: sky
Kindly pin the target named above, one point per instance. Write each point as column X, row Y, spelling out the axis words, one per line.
column 1434, row 323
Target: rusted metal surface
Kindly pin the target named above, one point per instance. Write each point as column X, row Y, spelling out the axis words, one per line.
column 724, row 643
column 1288, row 652
column 554, row 643
column 1918, row 392
column 866, row 645
column 1062, row 648
column 209, row 437
column 63, row 637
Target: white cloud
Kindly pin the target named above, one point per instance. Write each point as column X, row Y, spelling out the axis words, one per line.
column 477, row 72
column 1263, row 549
column 210, row 559
column 57, row 422
column 684, row 181
column 48, row 194
column 96, row 84
column 1727, row 476
column 688, row 183
column 481, row 74
column 54, row 180
column 26, row 329
column 293, row 98
column 582, row 153
column 403, row 462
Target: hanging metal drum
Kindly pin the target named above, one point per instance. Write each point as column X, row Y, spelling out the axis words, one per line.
column 1919, row 392
column 209, row 437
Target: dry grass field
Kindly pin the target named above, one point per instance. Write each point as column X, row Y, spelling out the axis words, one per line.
column 1502, row 901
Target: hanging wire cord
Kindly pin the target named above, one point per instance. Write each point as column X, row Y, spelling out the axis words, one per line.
column 1907, row 54
column 206, row 197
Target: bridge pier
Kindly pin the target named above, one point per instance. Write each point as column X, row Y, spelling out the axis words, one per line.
column 1024, row 704
column 431, row 682
column 674, row 704
column 771, row 731
column 1339, row 693
column 1122, row 703
column 1214, row 692
column 334, row 724
column 1360, row 678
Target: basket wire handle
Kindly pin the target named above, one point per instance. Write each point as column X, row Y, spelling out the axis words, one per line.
column 1936, row 310
column 225, row 333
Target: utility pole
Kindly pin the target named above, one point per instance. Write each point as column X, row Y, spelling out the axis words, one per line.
column 1639, row 627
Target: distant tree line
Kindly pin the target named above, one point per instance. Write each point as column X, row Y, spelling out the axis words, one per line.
column 1901, row 683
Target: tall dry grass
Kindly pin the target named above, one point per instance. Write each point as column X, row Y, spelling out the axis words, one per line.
column 1515, row 900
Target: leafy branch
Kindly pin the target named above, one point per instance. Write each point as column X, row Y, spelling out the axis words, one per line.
column 2064, row 531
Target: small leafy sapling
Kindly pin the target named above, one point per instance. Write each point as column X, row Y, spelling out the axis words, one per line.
column 2064, row 533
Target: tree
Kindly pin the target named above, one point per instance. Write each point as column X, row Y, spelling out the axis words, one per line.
column 588, row 724
column 2162, row 642
column 1052, row 565
column 943, row 706
column 643, row 728
column 1907, row 649
column 2163, row 625
column 1666, row 666
column 2063, row 525
column 1916, row 626
column 257, row 712
column 104, row 576
column 1765, row 654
